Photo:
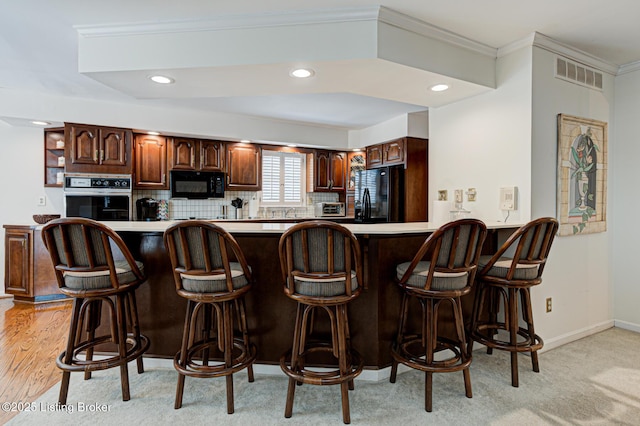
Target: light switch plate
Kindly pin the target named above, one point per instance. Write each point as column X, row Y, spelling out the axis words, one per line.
column 471, row 194
column 442, row 195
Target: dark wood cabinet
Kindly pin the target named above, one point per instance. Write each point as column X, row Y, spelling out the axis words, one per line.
column 98, row 149
column 151, row 162
column 356, row 161
column 391, row 153
column 374, row 156
column 412, row 155
column 244, row 167
column 330, row 171
column 54, row 158
column 194, row 154
column 29, row 274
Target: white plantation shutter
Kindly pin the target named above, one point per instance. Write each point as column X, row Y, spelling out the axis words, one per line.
column 292, row 190
column 282, row 177
column 270, row 178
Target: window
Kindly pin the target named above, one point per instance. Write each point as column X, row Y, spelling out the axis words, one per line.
column 283, row 178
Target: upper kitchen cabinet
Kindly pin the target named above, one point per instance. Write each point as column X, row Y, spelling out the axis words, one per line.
column 356, row 162
column 391, row 153
column 244, row 167
column 97, row 149
column 193, row 154
column 330, row 171
column 151, row 162
column 53, row 157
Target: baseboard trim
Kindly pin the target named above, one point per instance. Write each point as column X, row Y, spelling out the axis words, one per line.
column 627, row 325
column 576, row 335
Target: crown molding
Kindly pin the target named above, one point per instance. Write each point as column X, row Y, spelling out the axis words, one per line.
column 541, row 40
column 406, row 22
column 227, row 22
column 286, row 18
column 630, row 67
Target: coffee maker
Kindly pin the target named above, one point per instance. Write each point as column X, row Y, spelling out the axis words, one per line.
column 147, row 209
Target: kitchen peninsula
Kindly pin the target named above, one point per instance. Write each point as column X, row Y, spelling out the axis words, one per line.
column 373, row 316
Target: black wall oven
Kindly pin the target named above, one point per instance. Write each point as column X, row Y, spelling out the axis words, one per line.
column 98, row 197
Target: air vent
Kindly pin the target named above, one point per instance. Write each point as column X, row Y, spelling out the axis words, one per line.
column 579, row 74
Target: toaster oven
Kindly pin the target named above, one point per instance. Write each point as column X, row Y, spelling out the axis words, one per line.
column 327, row 209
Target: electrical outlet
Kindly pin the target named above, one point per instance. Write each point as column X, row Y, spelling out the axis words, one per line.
column 548, row 304
column 42, row 200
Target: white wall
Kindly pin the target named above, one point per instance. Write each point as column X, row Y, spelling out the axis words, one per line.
column 626, row 152
column 484, row 142
column 577, row 275
column 22, row 177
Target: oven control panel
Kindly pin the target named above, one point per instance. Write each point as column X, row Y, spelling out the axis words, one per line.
column 112, row 182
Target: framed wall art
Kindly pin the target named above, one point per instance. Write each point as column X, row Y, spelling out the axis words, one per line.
column 582, row 175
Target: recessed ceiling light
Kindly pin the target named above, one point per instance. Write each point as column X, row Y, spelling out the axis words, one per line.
column 40, row 123
column 302, row 73
column 356, row 149
column 292, row 145
column 153, row 133
column 439, row 87
column 245, row 140
column 161, row 79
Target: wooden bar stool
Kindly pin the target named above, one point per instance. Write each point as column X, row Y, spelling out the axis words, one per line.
column 502, row 278
column 322, row 272
column 210, row 271
column 453, row 252
column 87, row 270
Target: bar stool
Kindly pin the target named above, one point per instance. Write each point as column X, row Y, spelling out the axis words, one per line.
column 214, row 285
column 453, row 252
column 321, row 269
column 86, row 270
column 500, row 280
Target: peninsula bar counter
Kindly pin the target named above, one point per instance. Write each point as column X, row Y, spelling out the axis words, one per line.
column 373, row 315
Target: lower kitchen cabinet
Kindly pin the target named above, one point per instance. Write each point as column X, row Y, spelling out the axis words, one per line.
column 28, row 272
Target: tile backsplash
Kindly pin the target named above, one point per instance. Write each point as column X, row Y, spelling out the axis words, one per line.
column 215, row 208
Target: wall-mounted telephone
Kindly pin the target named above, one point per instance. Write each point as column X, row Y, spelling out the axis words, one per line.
column 508, row 198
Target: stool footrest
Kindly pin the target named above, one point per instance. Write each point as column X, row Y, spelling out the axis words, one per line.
column 191, row 368
column 134, row 351
column 529, row 344
column 412, row 353
column 329, row 376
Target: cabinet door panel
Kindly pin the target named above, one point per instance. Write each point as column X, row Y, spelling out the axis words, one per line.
column 244, row 167
column 151, row 162
column 114, row 147
column 84, row 143
column 18, row 263
column 394, row 152
column 322, row 164
column 338, row 171
column 183, row 154
column 374, row 156
column 211, row 155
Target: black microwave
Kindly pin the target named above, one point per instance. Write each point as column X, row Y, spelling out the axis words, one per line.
column 196, row 185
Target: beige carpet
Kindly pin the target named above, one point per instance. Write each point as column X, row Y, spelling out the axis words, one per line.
column 593, row 381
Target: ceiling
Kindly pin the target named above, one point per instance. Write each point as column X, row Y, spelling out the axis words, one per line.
column 39, row 52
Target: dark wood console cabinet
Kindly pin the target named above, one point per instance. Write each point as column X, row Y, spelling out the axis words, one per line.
column 28, row 272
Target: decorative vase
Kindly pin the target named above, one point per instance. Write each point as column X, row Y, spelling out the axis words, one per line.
column 583, row 190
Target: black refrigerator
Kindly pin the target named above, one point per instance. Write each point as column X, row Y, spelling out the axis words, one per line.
column 385, row 195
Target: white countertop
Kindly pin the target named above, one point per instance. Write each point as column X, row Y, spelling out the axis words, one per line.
column 278, row 228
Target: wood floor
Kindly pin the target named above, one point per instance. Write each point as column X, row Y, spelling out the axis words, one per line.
column 31, row 338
